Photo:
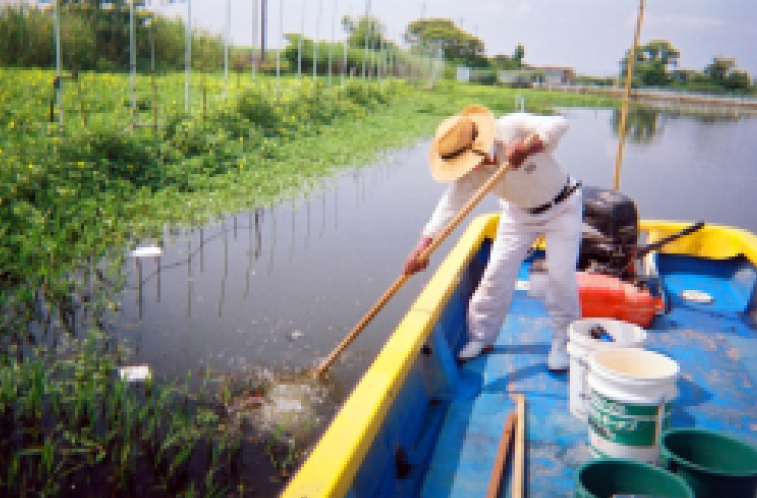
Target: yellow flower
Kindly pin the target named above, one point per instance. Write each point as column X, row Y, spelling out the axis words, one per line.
column 31, row 166
column 129, row 166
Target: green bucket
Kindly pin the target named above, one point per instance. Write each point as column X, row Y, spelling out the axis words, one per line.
column 714, row 464
column 620, row 476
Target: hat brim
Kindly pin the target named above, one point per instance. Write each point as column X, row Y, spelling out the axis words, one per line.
column 448, row 170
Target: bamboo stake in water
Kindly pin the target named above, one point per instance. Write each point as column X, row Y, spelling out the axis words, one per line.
column 626, row 96
column 397, row 285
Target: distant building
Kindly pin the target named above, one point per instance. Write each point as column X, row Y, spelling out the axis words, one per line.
column 555, row 75
column 537, row 75
column 463, row 74
column 520, row 78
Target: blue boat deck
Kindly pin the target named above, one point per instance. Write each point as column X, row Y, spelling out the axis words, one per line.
column 714, row 344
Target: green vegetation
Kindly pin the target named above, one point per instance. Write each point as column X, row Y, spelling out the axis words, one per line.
column 93, row 37
column 72, row 427
column 656, row 65
column 74, row 191
column 74, row 196
column 459, row 46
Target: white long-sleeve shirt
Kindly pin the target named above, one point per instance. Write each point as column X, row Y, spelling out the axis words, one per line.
column 538, row 180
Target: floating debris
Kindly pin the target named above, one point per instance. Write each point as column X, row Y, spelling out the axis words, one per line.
column 138, row 373
column 151, row 251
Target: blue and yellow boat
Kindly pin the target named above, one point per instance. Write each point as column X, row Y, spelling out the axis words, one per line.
column 419, row 424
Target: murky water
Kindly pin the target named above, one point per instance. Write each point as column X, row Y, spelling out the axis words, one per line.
column 279, row 287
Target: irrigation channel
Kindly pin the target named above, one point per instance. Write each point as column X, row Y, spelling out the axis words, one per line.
column 264, row 295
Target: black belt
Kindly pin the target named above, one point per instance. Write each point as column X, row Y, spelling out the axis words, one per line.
column 566, row 191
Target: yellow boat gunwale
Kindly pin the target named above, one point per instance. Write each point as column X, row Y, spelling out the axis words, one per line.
column 336, row 459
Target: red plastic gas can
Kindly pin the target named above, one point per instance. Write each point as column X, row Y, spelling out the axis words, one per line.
column 605, row 296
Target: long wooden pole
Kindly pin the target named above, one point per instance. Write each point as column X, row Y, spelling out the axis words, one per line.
column 519, row 457
column 499, row 463
column 626, row 96
column 397, row 285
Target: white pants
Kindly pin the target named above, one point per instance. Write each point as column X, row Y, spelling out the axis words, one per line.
column 517, row 231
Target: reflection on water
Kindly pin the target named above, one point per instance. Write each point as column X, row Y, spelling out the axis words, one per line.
column 276, row 287
column 641, row 124
column 279, row 287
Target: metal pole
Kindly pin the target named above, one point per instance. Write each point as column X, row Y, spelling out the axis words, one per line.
column 344, row 54
column 380, row 58
column 226, row 49
column 21, row 33
column 315, row 42
column 263, row 29
column 133, row 63
column 57, row 64
column 188, row 55
column 299, row 45
column 365, row 39
column 369, row 44
column 278, row 52
column 333, row 39
column 253, row 61
column 152, row 78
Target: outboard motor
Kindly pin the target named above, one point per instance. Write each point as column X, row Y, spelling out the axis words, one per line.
column 610, row 233
column 608, row 284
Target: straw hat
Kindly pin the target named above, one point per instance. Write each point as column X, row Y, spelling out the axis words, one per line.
column 460, row 143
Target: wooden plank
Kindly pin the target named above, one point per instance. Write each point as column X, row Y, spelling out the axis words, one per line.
column 516, row 491
column 499, row 463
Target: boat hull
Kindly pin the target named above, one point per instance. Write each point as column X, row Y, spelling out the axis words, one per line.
column 419, row 424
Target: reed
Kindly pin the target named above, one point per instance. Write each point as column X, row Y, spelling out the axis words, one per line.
column 70, row 421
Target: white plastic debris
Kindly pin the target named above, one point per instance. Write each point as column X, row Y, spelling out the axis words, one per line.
column 151, row 251
column 137, row 373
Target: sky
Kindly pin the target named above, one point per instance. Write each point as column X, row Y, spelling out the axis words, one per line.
column 589, row 35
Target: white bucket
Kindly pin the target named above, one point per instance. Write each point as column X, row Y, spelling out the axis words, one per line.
column 581, row 345
column 632, row 393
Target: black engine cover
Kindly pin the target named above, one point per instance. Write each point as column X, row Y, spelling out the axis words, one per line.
column 610, row 232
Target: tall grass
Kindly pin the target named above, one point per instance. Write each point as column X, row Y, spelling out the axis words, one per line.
column 72, row 427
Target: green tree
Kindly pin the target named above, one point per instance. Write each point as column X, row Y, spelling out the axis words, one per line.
column 459, row 46
column 653, row 61
column 502, row 61
column 723, row 72
column 365, row 31
column 520, row 52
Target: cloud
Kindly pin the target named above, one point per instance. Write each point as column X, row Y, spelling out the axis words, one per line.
column 688, row 22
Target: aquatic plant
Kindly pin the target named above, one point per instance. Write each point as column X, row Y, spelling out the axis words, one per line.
column 70, row 422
